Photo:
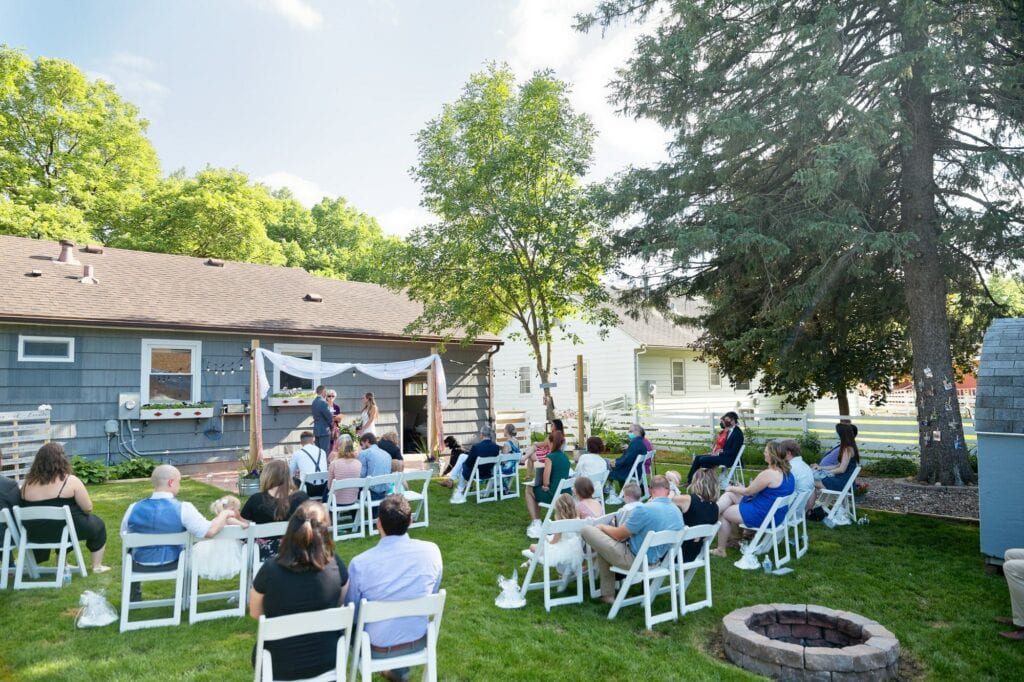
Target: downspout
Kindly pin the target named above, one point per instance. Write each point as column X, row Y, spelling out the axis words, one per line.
column 636, row 378
column 490, row 386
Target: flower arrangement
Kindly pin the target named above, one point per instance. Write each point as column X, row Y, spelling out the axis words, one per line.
column 250, row 463
column 860, row 488
column 294, row 393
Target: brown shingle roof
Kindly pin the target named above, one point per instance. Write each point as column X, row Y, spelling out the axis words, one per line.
column 155, row 290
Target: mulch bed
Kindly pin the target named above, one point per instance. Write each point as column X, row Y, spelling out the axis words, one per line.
column 906, row 496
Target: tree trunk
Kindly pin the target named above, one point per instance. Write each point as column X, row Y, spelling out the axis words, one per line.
column 844, row 401
column 943, row 455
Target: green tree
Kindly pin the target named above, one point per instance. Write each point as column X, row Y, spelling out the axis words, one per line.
column 218, row 214
column 518, row 237
column 292, row 228
column 878, row 139
column 347, row 243
column 74, row 158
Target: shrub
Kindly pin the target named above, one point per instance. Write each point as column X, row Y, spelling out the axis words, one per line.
column 613, row 441
column 538, row 436
column 893, row 467
column 89, row 472
column 139, row 467
column 810, row 447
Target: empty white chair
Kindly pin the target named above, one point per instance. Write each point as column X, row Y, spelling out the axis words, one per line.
column 485, row 488
column 177, row 573
column 688, row 569
column 652, row 576
column 298, row 624
column 418, row 499
column 10, row 539
column 509, row 481
column 734, row 475
column 564, row 486
column 236, row 596
column 796, row 521
column 768, row 537
column 547, row 567
column 393, row 482
column 363, row 663
column 68, row 541
column 839, row 502
column 348, row 520
column 262, row 531
column 638, row 475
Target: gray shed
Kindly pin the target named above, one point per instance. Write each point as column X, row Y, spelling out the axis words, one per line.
column 999, row 422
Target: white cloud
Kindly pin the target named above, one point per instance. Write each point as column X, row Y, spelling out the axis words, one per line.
column 133, row 76
column 403, row 220
column 298, row 13
column 306, row 192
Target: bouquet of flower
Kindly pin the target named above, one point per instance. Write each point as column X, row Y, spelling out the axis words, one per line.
column 251, row 463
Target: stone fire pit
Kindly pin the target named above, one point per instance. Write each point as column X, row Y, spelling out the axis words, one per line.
column 808, row 642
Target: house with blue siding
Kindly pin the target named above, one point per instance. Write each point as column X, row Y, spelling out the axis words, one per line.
column 146, row 353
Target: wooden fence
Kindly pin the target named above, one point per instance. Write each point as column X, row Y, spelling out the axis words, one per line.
column 21, row 434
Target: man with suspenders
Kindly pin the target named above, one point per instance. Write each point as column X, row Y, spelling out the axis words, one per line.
column 307, row 460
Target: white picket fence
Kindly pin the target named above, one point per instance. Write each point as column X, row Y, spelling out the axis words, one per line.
column 21, row 434
column 878, row 436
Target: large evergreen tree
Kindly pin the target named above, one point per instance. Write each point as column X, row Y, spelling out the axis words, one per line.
column 841, row 143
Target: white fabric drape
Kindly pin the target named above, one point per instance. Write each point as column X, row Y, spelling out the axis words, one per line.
column 386, row 371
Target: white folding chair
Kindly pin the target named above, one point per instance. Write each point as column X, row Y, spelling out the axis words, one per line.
column 834, row 502
column 418, row 499
column 796, row 521
column 509, row 487
column 68, row 541
column 237, row 594
column 177, row 573
column 652, row 577
column 475, row 485
column 430, row 607
column 298, row 624
column 564, row 486
column 312, row 478
column 688, row 569
column 768, row 536
column 734, row 475
column 261, row 531
column 393, row 481
column 638, row 475
column 10, row 540
column 540, row 557
column 599, row 480
column 353, row 525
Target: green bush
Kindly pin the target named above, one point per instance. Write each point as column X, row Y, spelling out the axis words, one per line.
column 810, row 448
column 892, row 467
column 89, row 472
column 133, row 468
column 538, row 436
column 613, row 441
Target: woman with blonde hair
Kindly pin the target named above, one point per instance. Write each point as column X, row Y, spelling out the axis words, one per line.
column 346, row 465
column 563, row 550
column 277, row 500
column 749, row 505
column 368, row 418
column 698, row 506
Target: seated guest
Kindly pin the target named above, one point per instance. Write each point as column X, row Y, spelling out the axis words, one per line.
column 340, row 444
column 674, row 481
column 10, row 494
column 831, row 457
column 749, row 505
column 346, row 465
column 375, row 462
column 389, row 444
column 537, row 453
column 699, row 507
column 621, row 467
column 591, row 463
column 306, row 577
column 277, row 500
column 803, row 475
column 484, row 447
column 618, row 545
column 308, row 459
column 398, row 568
column 631, row 494
column 727, row 455
column 50, row 483
column 162, row 512
column 564, row 551
column 510, row 447
column 849, row 457
column 457, row 455
column 556, row 468
column 586, row 506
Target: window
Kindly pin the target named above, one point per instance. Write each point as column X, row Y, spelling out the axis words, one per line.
column 46, row 349
column 283, row 381
column 679, row 376
column 714, row 377
column 524, row 379
column 415, row 386
column 170, row 371
column 742, row 385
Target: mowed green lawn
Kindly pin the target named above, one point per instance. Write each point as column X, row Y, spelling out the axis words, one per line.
column 921, row 578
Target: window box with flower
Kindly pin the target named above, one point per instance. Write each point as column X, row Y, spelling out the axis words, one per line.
column 291, row 398
column 182, row 410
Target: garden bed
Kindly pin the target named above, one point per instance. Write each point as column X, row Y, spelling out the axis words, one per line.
column 909, row 497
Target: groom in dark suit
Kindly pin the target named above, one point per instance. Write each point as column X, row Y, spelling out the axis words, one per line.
column 727, row 455
column 322, row 419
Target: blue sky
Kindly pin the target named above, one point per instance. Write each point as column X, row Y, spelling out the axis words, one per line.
column 324, row 96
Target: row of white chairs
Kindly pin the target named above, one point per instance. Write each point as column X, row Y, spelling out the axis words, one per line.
column 355, row 520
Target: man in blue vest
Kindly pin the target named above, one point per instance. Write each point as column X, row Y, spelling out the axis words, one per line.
column 162, row 512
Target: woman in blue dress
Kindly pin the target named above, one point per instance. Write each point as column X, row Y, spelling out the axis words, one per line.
column 749, row 505
column 849, row 459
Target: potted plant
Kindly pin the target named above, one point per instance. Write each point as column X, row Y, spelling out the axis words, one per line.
column 163, row 411
column 249, row 472
column 292, row 397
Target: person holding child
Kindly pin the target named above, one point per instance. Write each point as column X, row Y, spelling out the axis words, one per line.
column 220, row 558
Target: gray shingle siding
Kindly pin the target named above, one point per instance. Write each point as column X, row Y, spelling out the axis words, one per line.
column 999, row 404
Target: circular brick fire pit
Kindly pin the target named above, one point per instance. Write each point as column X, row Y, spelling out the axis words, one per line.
column 808, row 642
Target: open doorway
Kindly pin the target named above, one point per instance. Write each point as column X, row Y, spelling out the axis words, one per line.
column 416, row 414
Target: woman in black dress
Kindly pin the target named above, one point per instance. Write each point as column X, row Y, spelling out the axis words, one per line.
column 277, row 501
column 306, row 576
column 699, row 507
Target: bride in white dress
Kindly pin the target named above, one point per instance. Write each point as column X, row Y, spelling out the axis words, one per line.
column 220, row 558
column 368, row 419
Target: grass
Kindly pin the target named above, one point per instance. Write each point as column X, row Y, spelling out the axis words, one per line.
column 922, row 578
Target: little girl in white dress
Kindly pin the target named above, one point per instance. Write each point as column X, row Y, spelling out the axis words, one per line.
column 564, row 550
column 219, row 558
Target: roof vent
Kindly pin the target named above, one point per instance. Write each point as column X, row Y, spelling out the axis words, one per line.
column 87, row 275
column 34, row 273
column 313, row 298
column 215, row 262
column 93, row 249
column 67, row 253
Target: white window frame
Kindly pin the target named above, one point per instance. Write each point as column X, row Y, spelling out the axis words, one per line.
column 672, row 376
column 525, row 376
column 714, row 377
column 284, row 349
column 69, row 357
column 174, row 344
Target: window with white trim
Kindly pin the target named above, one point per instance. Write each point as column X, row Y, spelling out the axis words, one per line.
column 679, row 376
column 46, row 349
column 283, row 381
column 714, row 377
column 524, row 379
column 171, row 371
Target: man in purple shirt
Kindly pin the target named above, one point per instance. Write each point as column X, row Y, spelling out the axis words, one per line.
column 397, row 568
